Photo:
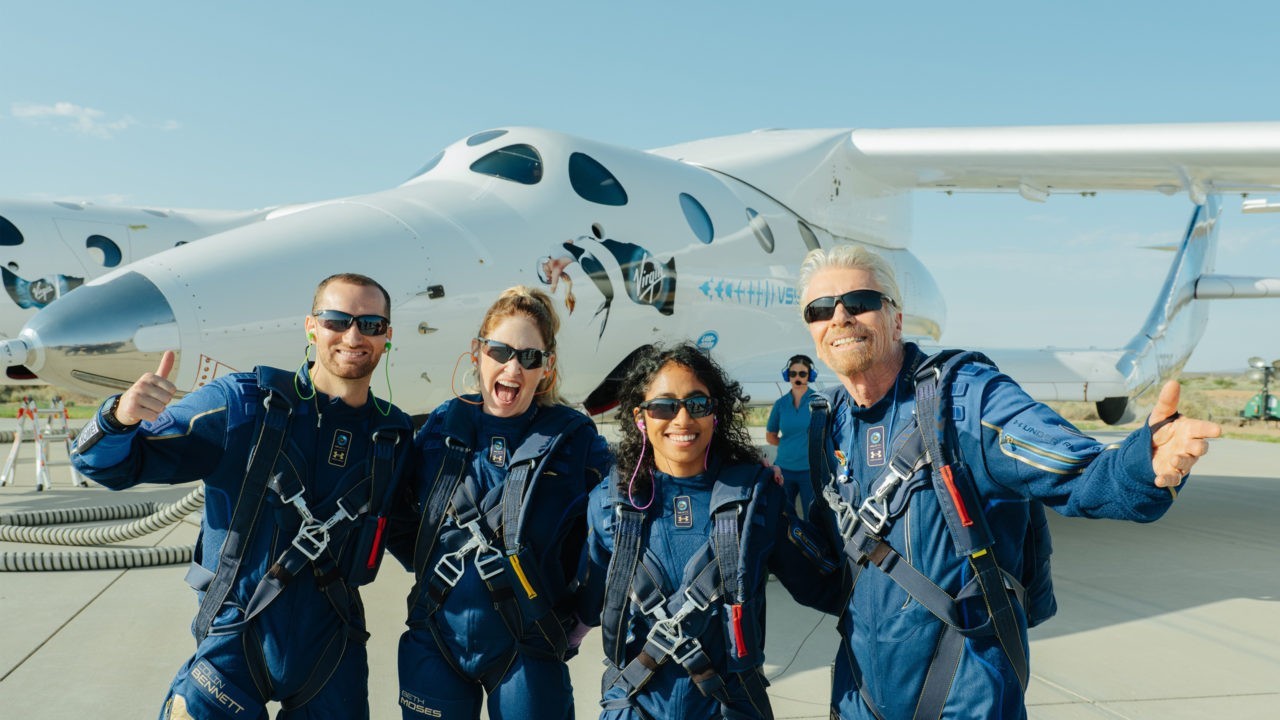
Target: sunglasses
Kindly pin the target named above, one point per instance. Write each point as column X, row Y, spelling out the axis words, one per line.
column 699, row 406
column 855, row 302
column 529, row 358
column 798, row 373
column 338, row 321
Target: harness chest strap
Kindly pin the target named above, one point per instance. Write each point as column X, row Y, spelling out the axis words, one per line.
column 310, row 545
column 450, row 498
column 861, row 531
column 672, row 635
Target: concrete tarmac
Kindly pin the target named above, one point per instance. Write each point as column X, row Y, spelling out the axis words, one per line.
column 1180, row 619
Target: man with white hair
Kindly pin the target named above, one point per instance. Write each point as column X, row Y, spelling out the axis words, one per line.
column 940, row 540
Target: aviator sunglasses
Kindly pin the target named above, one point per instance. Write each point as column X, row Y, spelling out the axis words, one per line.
column 529, row 358
column 855, row 302
column 338, row 321
column 699, row 406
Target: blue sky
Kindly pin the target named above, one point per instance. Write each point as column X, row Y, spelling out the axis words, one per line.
column 240, row 105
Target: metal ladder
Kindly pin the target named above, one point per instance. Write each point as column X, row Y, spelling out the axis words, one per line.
column 55, row 428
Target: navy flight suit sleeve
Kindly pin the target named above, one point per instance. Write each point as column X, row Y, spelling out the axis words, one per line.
column 1032, row 452
column 186, row 443
column 804, row 563
column 597, row 553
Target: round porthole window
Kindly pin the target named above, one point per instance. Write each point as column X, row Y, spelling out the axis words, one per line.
column 760, row 228
column 697, row 217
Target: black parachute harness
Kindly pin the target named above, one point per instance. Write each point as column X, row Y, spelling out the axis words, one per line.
column 311, row 545
column 861, row 530
column 489, row 532
column 678, row 620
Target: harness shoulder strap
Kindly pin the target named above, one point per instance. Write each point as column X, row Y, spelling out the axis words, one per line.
column 459, row 435
column 961, row 506
column 272, row 426
column 552, row 425
column 628, row 531
column 953, row 482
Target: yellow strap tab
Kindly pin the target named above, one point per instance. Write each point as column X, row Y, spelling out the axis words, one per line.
column 979, row 554
column 524, row 581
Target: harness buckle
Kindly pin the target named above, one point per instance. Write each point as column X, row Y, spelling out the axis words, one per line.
column 489, row 564
column 874, row 511
column 846, row 518
column 312, row 539
column 450, row 568
column 692, row 604
column 655, row 608
column 669, row 636
column 874, row 516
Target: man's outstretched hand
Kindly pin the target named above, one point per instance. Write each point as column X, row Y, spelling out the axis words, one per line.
column 1177, row 442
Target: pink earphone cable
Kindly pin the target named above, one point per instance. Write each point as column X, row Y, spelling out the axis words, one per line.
column 632, row 483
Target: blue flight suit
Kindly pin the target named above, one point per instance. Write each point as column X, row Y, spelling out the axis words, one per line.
column 791, row 423
column 454, row 653
column 1017, row 449
column 679, row 524
column 327, row 447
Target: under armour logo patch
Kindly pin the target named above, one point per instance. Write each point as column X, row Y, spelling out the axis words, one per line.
column 340, row 448
column 875, row 446
column 684, row 512
column 498, row 451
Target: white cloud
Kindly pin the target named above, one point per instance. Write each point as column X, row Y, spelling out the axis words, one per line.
column 83, row 120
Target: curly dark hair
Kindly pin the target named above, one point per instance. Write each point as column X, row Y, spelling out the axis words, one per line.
column 730, row 443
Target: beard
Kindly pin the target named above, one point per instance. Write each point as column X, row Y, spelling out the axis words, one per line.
column 876, row 349
column 349, row 370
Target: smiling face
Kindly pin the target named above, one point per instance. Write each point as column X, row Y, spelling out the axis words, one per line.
column 507, row 388
column 342, row 357
column 853, row 345
column 679, row 444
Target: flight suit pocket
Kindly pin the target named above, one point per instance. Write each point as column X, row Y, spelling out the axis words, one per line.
column 367, row 551
column 742, row 636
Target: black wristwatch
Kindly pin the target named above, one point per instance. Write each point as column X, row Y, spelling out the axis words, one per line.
column 109, row 417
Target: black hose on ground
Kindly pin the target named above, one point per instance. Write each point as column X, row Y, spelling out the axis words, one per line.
column 15, row 527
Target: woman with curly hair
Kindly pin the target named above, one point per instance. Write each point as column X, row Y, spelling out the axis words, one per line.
column 681, row 541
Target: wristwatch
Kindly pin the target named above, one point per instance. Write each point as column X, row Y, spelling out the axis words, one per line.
column 109, row 417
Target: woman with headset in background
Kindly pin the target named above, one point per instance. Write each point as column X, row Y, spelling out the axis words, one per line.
column 788, row 429
column 495, row 530
column 682, row 538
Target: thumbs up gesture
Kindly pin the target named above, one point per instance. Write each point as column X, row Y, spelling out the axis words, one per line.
column 147, row 398
column 1176, row 442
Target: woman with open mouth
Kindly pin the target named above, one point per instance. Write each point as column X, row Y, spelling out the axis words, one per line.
column 495, row 528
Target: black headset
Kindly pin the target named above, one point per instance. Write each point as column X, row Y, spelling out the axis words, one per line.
column 806, row 361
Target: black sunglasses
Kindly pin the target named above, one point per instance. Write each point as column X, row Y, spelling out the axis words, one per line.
column 699, row 406
column 855, row 302
column 529, row 358
column 798, row 373
column 338, row 321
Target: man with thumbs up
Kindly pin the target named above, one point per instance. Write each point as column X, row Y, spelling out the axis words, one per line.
column 299, row 469
column 935, row 471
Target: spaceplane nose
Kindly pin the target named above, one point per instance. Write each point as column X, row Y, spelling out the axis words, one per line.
column 100, row 338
